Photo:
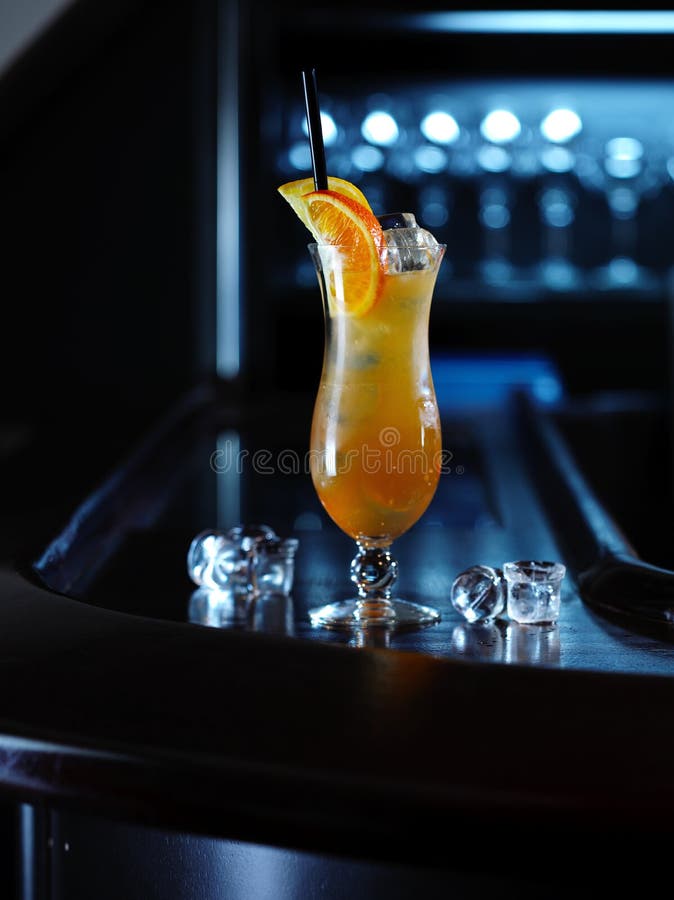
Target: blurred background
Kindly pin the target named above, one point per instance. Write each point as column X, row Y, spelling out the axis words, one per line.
column 141, row 151
column 145, row 247
column 537, row 144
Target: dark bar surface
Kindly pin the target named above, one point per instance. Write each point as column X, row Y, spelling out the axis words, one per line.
column 297, row 739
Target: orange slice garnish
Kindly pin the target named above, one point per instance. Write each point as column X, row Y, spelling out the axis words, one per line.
column 336, row 219
column 293, row 192
column 355, row 230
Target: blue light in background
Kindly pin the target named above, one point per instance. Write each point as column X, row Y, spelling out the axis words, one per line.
column 539, row 21
column 430, row 159
column 623, row 157
column 493, row 159
column 494, row 212
column 624, row 148
column 300, row 156
column 623, row 271
column 557, row 159
column 561, row 125
column 556, row 208
column 623, row 202
column 434, row 214
column 559, row 274
column 367, row 159
column 380, row 128
column 500, row 126
column 328, row 126
column 474, row 382
column 495, row 216
column 440, row 127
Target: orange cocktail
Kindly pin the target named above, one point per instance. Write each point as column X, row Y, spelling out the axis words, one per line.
column 375, row 437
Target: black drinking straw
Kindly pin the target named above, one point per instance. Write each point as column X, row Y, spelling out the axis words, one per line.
column 315, row 129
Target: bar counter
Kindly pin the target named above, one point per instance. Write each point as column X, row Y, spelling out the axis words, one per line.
column 399, row 750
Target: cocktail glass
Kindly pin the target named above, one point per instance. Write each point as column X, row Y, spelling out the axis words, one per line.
column 376, row 449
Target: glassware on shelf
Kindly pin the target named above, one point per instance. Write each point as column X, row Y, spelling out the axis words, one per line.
column 556, row 204
column 499, row 129
column 376, row 449
column 625, row 176
column 557, row 197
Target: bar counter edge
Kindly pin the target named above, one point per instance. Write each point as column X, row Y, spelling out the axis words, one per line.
column 320, row 747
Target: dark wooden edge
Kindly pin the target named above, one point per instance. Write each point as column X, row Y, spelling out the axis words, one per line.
column 611, row 576
column 131, row 496
column 372, row 753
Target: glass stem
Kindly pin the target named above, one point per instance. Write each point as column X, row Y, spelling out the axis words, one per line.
column 374, row 572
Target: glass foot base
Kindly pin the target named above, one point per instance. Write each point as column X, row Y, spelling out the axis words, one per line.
column 349, row 615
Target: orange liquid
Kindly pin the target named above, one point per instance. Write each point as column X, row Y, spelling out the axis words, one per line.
column 375, row 437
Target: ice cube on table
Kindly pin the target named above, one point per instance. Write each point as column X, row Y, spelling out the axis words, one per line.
column 534, row 591
column 215, row 561
column 276, row 566
column 478, row 594
column 251, row 535
column 406, row 242
column 246, row 560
